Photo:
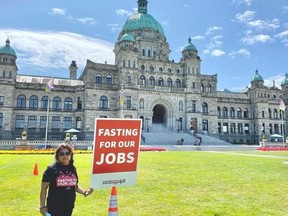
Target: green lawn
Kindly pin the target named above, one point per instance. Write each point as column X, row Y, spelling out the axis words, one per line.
column 169, row 183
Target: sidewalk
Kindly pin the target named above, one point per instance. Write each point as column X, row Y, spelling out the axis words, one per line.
column 206, row 147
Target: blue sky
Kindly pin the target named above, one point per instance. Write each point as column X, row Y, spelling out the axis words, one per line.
column 233, row 37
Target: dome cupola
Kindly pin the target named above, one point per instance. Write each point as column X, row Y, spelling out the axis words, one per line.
column 7, row 49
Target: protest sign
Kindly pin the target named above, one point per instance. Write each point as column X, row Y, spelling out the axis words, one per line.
column 115, row 152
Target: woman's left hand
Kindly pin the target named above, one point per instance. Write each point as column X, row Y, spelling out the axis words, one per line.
column 90, row 191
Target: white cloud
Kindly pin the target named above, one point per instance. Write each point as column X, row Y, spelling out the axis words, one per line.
column 57, row 11
column 283, row 36
column 247, row 2
column 285, row 8
column 114, row 27
column 87, row 21
column 241, row 52
column 198, row 37
column 251, row 39
column 122, row 12
column 264, row 25
column 63, row 14
column 212, row 29
column 217, row 53
column 245, row 17
column 46, row 49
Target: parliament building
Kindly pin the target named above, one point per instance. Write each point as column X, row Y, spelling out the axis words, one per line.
column 167, row 95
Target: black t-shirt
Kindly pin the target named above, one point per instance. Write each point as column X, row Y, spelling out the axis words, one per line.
column 63, row 181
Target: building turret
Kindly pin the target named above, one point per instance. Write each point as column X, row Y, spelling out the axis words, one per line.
column 73, row 70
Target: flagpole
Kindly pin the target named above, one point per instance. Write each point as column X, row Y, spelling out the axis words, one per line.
column 47, row 122
column 283, row 127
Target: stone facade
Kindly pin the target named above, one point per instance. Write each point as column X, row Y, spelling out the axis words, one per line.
column 166, row 95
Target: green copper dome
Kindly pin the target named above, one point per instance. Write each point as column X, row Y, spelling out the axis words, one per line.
column 7, row 50
column 142, row 20
column 189, row 46
column 257, row 77
column 127, row 37
column 285, row 80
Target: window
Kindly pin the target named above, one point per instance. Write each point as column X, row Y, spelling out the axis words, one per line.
column 209, row 88
column 202, row 87
column 103, row 102
column 1, row 120
column 32, row 120
column 1, row 101
column 142, row 80
column 43, row 122
column 193, row 85
column 33, row 102
column 143, row 52
column 21, row 101
column 169, row 82
column 232, row 112
column 109, row 79
column 19, row 121
column 129, row 80
column 232, row 127
column 55, row 122
column 124, row 63
column 67, row 124
column 56, row 103
column 193, row 106
column 98, row 78
column 178, row 83
column 204, row 108
column 128, row 102
column 160, row 81
column 149, row 53
column 151, row 81
column 225, row 112
column 68, row 103
column 79, row 103
column 240, row 128
column 239, row 113
column 78, row 123
column 44, row 102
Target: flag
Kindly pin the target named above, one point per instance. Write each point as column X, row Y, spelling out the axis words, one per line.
column 282, row 105
column 49, row 85
column 122, row 97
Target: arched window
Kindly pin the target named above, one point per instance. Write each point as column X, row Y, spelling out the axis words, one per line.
column 246, row 113
column 21, row 101
column 275, row 113
column 239, row 113
column 98, row 78
column 204, row 107
column 151, row 80
column 103, row 102
column 209, row 88
column 141, row 104
column 44, row 102
column 169, row 82
column 142, row 80
column 225, row 112
column 143, row 52
column 68, row 103
column 56, row 103
column 232, row 112
column 160, row 82
column 202, row 87
column 109, row 79
column 33, row 102
column 219, row 111
column 178, row 83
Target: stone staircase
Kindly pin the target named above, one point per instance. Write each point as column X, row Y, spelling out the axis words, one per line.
column 170, row 138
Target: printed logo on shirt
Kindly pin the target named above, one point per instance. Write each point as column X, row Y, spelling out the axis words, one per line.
column 66, row 180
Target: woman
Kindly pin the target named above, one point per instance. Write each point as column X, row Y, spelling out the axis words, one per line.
column 62, row 181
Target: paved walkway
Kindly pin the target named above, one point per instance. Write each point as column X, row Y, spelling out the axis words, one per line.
column 206, row 147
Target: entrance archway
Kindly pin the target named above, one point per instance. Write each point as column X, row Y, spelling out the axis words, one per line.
column 159, row 118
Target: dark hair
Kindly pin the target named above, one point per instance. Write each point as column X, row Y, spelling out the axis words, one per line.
column 64, row 146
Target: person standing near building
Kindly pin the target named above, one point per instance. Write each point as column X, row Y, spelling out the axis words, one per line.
column 61, row 181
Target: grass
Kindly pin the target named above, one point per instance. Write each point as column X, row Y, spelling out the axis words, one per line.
column 168, row 183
